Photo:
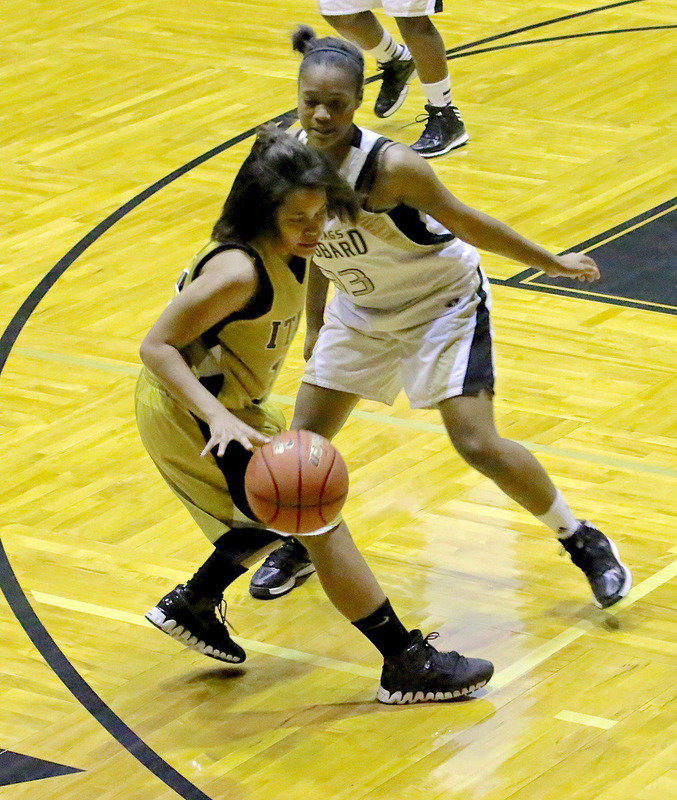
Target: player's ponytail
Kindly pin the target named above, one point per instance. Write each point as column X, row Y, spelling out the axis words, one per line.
column 301, row 38
column 329, row 50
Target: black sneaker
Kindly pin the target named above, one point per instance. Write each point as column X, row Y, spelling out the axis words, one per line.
column 421, row 674
column 394, row 85
column 444, row 130
column 193, row 621
column 595, row 554
column 284, row 568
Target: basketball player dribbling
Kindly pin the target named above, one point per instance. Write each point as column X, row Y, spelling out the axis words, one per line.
column 411, row 311
column 201, row 404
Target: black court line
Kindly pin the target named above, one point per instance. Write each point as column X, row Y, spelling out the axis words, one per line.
column 16, row 597
column 528, row 278
column 565, row 37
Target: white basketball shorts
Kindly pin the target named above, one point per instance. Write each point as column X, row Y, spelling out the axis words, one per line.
column 450, row 356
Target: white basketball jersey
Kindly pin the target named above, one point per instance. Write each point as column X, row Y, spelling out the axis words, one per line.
column 392, row 269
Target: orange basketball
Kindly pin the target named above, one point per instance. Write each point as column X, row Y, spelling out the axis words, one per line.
column 296, row 483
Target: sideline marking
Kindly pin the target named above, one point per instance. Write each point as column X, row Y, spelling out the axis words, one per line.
column 501, row 678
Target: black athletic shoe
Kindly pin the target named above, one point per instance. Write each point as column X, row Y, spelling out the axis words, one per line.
column 193, row 621
column 595, row 554
column 444, row 130
column 284, row 568
column 421, row 674
column 394, row 85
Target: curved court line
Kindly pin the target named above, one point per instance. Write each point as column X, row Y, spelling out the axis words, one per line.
column 562, row 38
column 16, row 597
column 543, row 24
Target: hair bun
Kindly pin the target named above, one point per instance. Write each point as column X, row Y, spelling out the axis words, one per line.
column 301, row 38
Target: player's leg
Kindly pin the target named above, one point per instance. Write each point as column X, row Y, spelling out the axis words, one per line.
column 448, row 364
column 413, row 670
column 345, row 365
column 470, row 424
column 194, row 613
column 322, row 411
column 211, row 488
column 444, row 128
column 355, row 22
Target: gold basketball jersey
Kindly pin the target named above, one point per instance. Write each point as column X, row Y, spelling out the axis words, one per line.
column 238, row 359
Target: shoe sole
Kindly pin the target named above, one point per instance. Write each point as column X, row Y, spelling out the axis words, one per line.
column 157, row 617
column 400, row 699
column 627, row 583
column 455, row 143
column 398, row 103
column 263, row 593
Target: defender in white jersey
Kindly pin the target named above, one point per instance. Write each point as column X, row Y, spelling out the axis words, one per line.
column 378, row 335
column 411, row 309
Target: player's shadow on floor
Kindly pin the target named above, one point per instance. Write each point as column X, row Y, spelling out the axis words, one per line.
column 616, row 619
column 217, row 690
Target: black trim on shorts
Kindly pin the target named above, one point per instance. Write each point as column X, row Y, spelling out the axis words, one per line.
column 479, row 374
column 260, row 303
column 439, row 6
column 233, row 463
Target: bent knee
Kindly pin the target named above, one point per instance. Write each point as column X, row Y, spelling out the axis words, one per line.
column 416, row 26
column 482, row 452
column 339, row 21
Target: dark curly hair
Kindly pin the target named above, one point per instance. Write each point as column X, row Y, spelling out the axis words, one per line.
column 329, row 50
column 277, row 164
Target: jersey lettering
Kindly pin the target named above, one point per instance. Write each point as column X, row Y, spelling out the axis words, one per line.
column 350, row 281
column 358, row 283
column 282, row 331
column 342, row 244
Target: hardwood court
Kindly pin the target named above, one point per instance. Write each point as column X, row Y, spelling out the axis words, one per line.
column 569, row 140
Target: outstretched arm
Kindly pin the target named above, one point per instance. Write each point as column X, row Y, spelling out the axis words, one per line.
column 407, row 178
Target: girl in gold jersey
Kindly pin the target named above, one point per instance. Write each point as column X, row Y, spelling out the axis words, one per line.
column 201, row 402
column 424, row 335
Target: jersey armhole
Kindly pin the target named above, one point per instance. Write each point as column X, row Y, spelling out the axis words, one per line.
column 367, row 177
column 257, row 306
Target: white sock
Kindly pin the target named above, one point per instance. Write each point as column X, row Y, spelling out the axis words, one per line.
column 560, row 518
column 438, row 94
column 388, row 49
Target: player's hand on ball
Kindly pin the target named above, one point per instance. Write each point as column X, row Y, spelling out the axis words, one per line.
column 577, row 266
column 225, row 427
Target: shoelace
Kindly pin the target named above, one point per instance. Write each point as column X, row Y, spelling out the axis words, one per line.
column 220, row 613
column 281, row 552
column 587, row 548
column 426, row 117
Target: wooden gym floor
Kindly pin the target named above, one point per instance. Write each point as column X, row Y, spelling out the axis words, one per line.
column 569, row 111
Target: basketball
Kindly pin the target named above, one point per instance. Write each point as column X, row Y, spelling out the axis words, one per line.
column 296, row 483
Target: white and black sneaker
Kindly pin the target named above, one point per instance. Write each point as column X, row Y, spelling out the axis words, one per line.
column 396, row 75
column 199, row 623
column 597, row 556
column 444, row 130
column 422, row 674
column 284, row 569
